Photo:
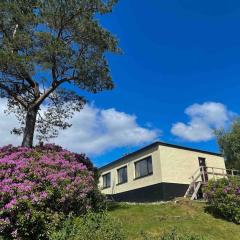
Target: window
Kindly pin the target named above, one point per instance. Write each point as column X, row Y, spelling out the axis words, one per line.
column 122, row 175
column 106, row 180
column 143, row 167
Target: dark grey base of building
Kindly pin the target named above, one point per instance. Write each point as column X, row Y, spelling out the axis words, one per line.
column 153, row 193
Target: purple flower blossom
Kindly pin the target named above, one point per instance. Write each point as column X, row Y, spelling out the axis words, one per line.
column 11, row 204
column 45, row 176
column 223, row 197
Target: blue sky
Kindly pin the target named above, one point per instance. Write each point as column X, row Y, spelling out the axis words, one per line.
column 177, row 79
column 176, row 53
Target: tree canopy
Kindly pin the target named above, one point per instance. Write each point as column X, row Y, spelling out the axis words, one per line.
column 229, row 142
column 49, row 52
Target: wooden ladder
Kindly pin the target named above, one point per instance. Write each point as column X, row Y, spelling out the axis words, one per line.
column 192, row 190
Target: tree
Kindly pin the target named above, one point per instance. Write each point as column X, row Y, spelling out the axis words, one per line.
column 229, row 142
column 50, row 50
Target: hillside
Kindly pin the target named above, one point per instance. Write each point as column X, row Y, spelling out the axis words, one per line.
column 185, row 216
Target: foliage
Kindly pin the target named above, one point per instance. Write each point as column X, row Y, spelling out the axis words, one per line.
column 224, row 198
column 46, row 46
column 185, row 216
column 40, row 186
column 173, row 235
column 229, row 142
column 97, row 226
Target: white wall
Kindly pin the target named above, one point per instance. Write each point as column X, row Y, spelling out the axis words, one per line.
column 132, row 182
column 179, row 164
column 170, row 165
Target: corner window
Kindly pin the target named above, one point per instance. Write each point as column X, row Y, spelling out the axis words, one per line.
column 122, row 175
column 143, row 167
column 106, row 180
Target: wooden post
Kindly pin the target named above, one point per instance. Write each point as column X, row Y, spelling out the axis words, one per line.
column 193, row 183
column 213, row 173
column 203, row 174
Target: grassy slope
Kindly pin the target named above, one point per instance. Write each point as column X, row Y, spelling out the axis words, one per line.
column 184, row 216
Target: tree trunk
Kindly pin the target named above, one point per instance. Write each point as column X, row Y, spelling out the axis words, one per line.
column 28, row 134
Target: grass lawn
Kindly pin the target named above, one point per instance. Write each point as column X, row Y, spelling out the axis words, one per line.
column 185, row 216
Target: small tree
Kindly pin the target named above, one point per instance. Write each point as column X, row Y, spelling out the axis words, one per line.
column 229, row 142
column 49, row 50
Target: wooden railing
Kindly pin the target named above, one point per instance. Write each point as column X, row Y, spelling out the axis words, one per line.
column 203, row 174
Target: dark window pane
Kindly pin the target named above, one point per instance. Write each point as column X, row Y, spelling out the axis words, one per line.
column 106, row 180
column 122, row 175
column 150, row 166
column 137, row 169
column 143, row 167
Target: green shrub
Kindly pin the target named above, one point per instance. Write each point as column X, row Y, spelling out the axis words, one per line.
column 223, row 198
column 173, row 235
column 97, row 226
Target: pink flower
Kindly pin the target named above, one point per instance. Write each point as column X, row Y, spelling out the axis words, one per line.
column 47, row 177
column 11, row 204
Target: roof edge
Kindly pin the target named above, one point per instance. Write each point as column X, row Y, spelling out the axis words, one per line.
column 158, row 143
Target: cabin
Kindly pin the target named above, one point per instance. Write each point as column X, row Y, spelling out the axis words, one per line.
column 160, row 172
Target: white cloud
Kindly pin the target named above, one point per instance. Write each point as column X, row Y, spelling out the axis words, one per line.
column 204, row 118
column 7, row 123
column 93, row 131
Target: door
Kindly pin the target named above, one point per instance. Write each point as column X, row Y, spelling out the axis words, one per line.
column 203, row 169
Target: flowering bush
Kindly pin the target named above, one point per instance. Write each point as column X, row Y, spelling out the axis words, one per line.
column 41, row 185
column 224, row 198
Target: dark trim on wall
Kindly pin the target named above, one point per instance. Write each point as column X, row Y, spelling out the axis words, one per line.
column 156, row 144
column 121, row 183
column 153, row 193
column 129, row 155
column 189, row 149
column 149, row 174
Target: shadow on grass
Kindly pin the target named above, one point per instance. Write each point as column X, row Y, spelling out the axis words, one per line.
column 112, row 205
column 215, row 213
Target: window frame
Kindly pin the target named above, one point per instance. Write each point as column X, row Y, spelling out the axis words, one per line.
column 105, row 175
column 119, row 183
column 149, row 158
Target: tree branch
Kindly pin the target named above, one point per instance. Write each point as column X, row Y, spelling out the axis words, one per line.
column 12, row 94
column 54, row 86
column 46, row 94
column 15, row 30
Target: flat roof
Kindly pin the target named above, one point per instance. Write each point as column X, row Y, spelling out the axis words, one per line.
column 155, row 144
